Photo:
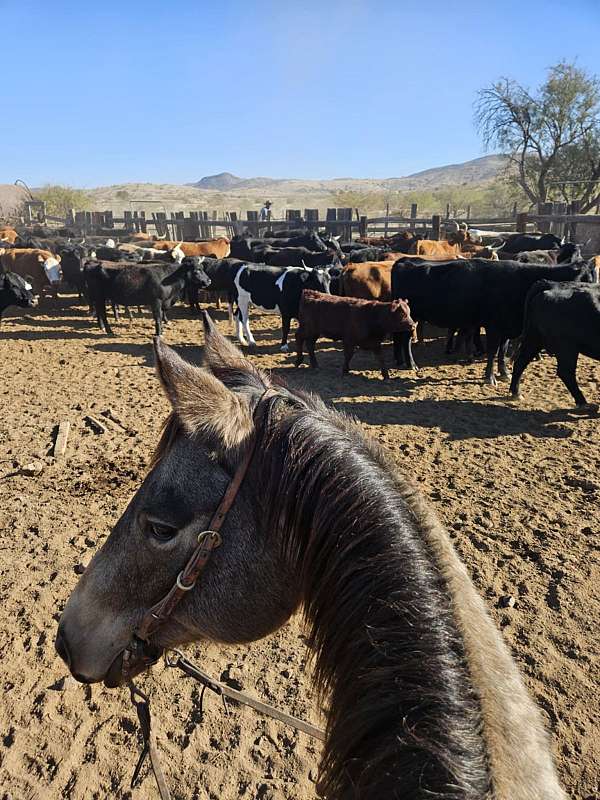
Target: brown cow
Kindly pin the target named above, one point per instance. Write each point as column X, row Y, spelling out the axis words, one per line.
column 218, row 248
column 371, row 280
column 427, row 247
column 358, row 323
column 8, row 234
column 41, row 266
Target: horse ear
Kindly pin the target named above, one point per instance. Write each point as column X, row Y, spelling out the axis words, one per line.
column 225, row 360
column 201, row 402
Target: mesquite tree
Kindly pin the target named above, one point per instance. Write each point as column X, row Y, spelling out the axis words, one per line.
column 551, row 136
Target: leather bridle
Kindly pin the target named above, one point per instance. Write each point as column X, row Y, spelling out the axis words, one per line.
column 137, row 651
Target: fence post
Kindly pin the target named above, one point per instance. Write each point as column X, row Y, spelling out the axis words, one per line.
column 387, row 220
column 545, row 210
column 572, row 229
column 468, row 213
column 522, row 222
column 436, row 221
column 447, row 210
column 108, row 219
column 362, row 228
column 413, row 210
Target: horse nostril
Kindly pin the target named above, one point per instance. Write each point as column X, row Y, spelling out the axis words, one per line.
column 62, row 649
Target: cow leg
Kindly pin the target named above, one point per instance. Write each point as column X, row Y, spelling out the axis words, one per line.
column 348, row 353
column 378, row 350
column 502, row 368
column 399, row 352
column 230, row 313
column 527, row 352
column 129, row 314
column 103, row 319
column 566, row 371
column 493, row 344
column 450, row 347
column 477, row 342
column 157, row 312
column 251, row 339
column 115, row 309
column 299, row 347
column 285, row 332
column 310, row 346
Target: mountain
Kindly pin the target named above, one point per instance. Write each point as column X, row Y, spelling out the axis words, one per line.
column 220, row 183
column 226, row 191
column 478, row 170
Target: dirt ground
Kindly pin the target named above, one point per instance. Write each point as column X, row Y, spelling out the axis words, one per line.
column 517, row 485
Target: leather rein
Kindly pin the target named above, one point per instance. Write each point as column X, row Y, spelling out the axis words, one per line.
column 137, row 651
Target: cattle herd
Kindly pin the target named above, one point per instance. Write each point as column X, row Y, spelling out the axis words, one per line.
column 535, row 290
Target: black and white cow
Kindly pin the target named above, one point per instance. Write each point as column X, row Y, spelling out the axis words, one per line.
column 273, row 289
column 15, row 291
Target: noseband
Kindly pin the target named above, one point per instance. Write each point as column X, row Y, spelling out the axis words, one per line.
column 137, row 651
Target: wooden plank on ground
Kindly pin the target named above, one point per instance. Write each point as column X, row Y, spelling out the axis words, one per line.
column 62, row 435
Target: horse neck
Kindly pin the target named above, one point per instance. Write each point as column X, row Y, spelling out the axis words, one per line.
column 424, row 697
column 388, row 655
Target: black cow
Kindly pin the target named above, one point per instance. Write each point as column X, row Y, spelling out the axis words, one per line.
column 368, row 254
column 520, row 242
column 72, row 258
column 295, row 257
column 155, row 285
column 564, row 319
column 107, row 253
column 273, row 289
column 469, row 293
column 15, row 291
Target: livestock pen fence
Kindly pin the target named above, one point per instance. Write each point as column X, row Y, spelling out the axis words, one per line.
column 561, row 219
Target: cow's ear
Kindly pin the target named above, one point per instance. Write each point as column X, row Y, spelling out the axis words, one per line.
column 201, row 402
column 304, row 276
column 226, row 361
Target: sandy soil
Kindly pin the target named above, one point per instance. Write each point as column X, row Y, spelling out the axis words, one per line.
column 518, row 486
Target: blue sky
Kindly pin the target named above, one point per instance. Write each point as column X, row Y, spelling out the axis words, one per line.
column 171, row 91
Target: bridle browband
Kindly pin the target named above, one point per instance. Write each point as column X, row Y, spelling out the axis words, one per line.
column 208, row 540
column 139, row 651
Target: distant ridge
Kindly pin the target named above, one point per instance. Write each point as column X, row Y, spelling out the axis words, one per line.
column 478, row 170
column 226, row 191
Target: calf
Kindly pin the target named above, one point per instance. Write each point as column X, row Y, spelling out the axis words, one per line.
column 273, row 289
column 358, row 323
column 41, row 266
column 155, row 285
column 564, row 319
column 15, row 291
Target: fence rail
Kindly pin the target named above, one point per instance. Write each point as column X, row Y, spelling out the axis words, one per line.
column 345, row 222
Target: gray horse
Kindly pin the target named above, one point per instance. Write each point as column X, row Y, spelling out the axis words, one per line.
column 424, row 699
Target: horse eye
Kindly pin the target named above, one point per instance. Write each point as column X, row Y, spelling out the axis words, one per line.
column 160, row 531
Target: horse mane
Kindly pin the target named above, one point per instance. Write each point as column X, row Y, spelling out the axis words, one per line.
column 403, row 720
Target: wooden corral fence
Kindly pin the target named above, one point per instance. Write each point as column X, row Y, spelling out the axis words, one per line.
column 558, row 218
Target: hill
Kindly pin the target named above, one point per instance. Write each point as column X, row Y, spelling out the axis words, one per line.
column 228, row 192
